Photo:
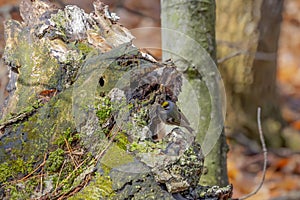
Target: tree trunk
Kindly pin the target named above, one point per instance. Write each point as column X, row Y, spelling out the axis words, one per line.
column 247, row 34
column 188, row 36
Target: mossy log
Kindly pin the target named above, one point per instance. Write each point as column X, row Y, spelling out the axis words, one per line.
column 75, row 124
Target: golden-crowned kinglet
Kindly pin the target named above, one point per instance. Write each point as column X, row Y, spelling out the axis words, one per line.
column 169, row 113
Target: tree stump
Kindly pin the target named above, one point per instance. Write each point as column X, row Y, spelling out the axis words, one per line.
column 82, row 118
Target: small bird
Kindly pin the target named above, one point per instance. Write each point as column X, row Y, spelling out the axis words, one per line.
column 170, row 114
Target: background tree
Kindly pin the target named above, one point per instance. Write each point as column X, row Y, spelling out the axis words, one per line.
column 247, row 34
column 195, row 19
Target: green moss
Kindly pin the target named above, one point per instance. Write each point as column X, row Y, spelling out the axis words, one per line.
column 47, row 130
column 141, row 117
column 5, row 172
column 116, row 156
column 193, row 73
column 55, row 160
column 27, row 111
column 13, row 169
column 15, row 192
column 22, row 190
column 84, row 48
column 105, row 170
column 50, row 121
column 60, row 21
column 43, row 66
column 58, row 113
column 103, row 109
column 122, row 141
column 146, row 146
column 72, row 176
column 99, row 188
column 68, row 136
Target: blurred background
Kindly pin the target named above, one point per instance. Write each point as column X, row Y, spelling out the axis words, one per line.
column 244, row 159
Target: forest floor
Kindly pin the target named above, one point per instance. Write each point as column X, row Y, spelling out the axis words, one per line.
column 283, row 173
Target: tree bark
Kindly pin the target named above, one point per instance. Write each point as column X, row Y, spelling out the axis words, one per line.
column 247, row 34
column 193, row 40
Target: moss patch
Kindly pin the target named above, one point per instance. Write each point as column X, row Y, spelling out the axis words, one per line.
column 147, row 146
column 104, row 109
column 99, row 188
column 115, row 157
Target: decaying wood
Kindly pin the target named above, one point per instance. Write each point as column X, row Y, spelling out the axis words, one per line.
column 97, row 94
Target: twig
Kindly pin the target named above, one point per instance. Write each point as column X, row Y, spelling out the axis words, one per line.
column 37, row 176
column 71, row 152
column 265, row 151
column 24, row 178
column 62, row 196
column 41, row 186
column 75, row 152
column 77, row 167
column 114, row 132
column 234, row 54
column 60, row 171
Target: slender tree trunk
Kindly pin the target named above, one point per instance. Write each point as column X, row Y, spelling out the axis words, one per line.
column 195, row 20
column 250, row 31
